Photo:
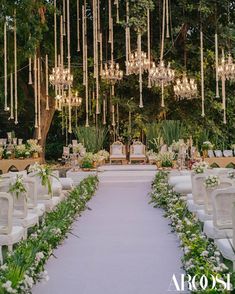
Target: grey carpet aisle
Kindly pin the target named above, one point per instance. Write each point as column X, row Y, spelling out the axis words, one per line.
column 124, row 247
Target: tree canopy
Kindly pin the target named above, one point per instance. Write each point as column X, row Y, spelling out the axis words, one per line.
column 35, row 32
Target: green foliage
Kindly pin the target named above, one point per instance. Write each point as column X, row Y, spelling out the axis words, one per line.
column 92, row 138
column 138, row 14
column 200, row 254
column 26, row 264
column 153, row 136
column 171, row 130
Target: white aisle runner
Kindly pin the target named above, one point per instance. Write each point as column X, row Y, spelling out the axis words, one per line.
column 124, row 247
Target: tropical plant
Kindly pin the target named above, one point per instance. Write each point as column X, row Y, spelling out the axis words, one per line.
column 153, row 136
column 92, row 138
column 172, row 130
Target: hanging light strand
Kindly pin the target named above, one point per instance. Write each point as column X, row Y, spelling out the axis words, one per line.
column 39, row 98
column 78, row 26
column 12, row 98
column 47, row 87
column 15, row 61
column 69, row 65
column 35, row 92
column 202, row 73
column 216, row 65
column 6, row 108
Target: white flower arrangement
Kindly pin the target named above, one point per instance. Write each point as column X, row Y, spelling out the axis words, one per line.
column 166, row 158
column 207, row 145
column 200, row 167
column 200, row 253
column 104, row 154
column 34, row 168
column 33, row 146
column 97, row 157
column 152, row 154
column 212, row 181
column 80, row 149
column 231, row 174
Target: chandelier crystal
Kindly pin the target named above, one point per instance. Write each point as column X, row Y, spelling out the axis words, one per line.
column 227, row 68
column 111, row 73
column 75, row 101
column 61, row 77
column 185, row 88
column 133, row 64
column 161, row 74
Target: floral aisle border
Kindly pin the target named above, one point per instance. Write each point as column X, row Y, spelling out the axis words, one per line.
column 201, row 255
column 25, row 265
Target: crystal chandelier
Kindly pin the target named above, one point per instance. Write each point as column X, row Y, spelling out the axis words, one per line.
column 135, row 62
column 185, row 88
column 74, row 100
column 227, row 68
column 111, row 73
column 161, row 74
column 61, row 77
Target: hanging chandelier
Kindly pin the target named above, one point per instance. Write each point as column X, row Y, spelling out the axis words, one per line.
column 227, row 68
column 73, row 101
column 61, row 77
column 111, row 73
column 161, row 74
column 185, row 88
column 136, row 62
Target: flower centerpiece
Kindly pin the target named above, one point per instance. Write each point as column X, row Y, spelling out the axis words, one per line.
column 175, row 146
column 80, row 149
column 7, row 154
column 200, row 167
column 87, row 161
column 152, row 156
column 207, row 145
column 17, row 187
column 231, row 174
column 45, row 173
column 165, row 159
column 212, row 181
column 20, row 151
column 103, row 153
column 34, row 148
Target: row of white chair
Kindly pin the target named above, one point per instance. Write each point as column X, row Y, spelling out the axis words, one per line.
column 212, row 206
column 20, row 212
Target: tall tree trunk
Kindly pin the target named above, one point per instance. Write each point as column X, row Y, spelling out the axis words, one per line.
column 46, row 118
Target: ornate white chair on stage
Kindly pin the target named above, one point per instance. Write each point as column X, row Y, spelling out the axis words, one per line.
column 218, row 153
column 221, row 225
column 138, row 152
column 9, row 234
column 228, row 153
column 117, row 152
